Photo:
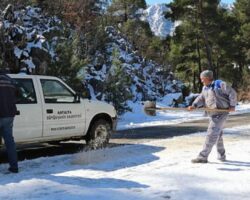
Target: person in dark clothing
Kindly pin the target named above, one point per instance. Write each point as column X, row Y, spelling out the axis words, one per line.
column 8, row 92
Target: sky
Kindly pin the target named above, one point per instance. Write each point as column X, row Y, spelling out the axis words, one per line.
column 157, row 169
column 150, row 2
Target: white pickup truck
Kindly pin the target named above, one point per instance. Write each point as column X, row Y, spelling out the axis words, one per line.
column 49, row 110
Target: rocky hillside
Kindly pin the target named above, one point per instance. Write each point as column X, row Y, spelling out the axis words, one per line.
column 160, row 26
column 30, row 38
column 149, row 81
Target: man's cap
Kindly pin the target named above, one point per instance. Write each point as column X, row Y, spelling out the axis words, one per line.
column 207, row 74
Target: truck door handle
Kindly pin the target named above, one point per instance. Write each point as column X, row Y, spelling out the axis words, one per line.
column 17, row 112
column 49, row 111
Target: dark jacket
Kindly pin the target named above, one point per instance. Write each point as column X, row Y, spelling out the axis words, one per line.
column 8, row 92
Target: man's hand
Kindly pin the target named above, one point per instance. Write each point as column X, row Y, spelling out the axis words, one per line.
column 190, row 108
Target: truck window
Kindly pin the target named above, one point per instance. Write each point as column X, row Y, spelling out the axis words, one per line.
column 26, row 91
column 55, row 92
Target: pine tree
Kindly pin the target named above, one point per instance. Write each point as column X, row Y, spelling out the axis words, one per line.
column 117, row 85
column 68, row 63
column 123, row 10
column 242, row 43
column 198, row 36
column 125, row 16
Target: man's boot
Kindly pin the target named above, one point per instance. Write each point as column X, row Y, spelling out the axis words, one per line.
column 199, row 159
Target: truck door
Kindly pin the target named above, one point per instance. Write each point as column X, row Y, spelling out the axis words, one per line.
column 28, row 121
column 64, row 115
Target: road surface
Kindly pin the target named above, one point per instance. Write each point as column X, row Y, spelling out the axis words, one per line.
column 138, row 135
column 131, row 136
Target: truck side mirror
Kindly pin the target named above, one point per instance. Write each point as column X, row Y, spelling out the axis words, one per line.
column 86, row 95
column 77, row 98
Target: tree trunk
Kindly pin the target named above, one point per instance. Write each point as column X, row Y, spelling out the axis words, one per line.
column 204, row 30
column 2, row 43
column 237, row 79
column 199, row 55
column 194, row 81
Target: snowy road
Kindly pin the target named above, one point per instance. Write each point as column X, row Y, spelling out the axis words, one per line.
column 129, row 136
column 158, row 169
column 148, row 133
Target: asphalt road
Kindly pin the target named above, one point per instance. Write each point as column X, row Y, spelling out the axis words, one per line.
column 131, row 136
column 167, row 131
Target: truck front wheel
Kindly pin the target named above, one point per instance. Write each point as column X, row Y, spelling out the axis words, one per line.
column 99, row 134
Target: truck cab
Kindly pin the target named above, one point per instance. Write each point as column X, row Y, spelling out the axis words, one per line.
column 49, row 110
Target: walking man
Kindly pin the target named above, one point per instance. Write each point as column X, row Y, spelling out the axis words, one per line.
column 214, row 95
column 8, row 110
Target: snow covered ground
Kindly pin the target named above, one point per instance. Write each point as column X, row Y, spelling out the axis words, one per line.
column 159, row 169
column 138, row 118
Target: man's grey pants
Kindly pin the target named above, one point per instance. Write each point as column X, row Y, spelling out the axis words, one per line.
column 214, row 135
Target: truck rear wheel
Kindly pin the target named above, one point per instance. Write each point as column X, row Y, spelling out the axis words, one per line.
column 99, row 134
